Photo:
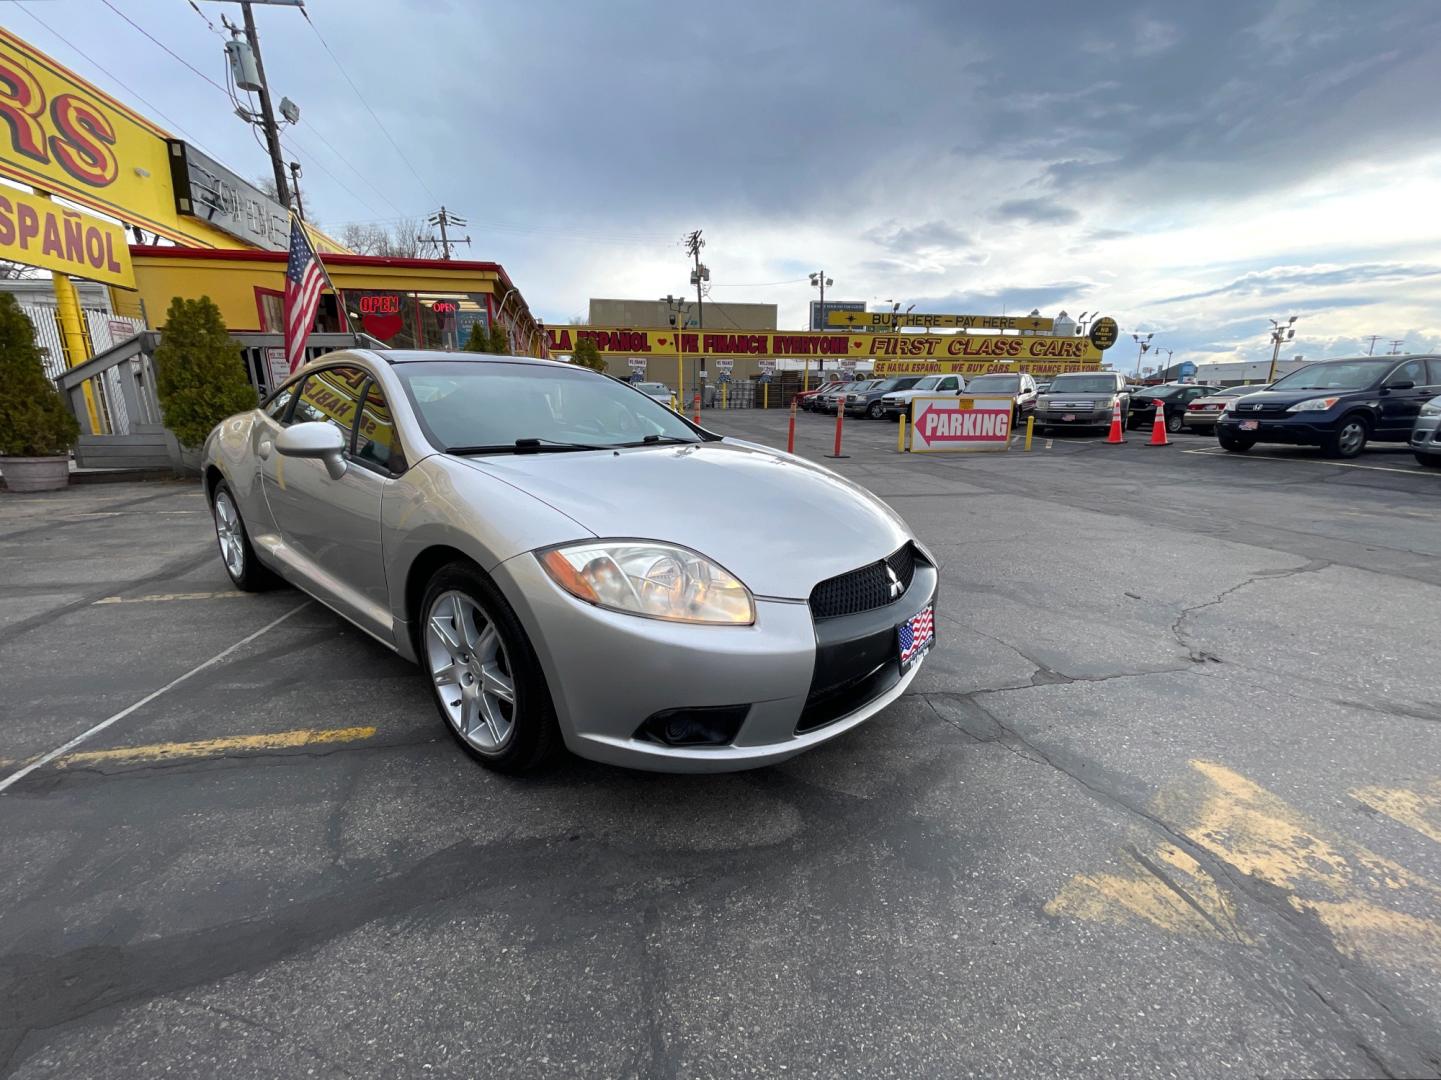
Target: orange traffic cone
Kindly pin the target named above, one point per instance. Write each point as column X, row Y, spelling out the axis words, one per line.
column 1116, row 436
column 1158, row 428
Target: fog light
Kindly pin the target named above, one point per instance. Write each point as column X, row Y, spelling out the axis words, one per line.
column 715, row 725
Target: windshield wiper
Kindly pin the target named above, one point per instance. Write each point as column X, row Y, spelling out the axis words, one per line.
column 525, row 446
column 656, row 440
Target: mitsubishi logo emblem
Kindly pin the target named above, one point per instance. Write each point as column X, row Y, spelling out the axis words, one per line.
column 895, row 583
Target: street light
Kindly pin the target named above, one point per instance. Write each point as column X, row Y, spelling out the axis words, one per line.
column 1280, row 332
column 1144, row 343
column 1169, row 353
column 818, row 280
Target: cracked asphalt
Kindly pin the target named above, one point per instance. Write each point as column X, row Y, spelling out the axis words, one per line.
column 1165, row 800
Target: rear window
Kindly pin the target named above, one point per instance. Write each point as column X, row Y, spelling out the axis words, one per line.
column 999, row 384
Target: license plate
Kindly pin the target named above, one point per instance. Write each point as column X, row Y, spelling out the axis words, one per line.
column 1068, row 417
column 915, row 636
column 1250, row 425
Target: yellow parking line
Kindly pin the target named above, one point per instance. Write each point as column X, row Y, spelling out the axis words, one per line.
column 1310, row 461
column 202, row 748
column 156, row 598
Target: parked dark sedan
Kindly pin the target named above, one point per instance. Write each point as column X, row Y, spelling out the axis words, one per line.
column 1174, row 397
column 1338, row 405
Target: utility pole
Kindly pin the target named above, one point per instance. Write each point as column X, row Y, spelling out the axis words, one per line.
column 267, row 113
column 1396, row 346
column 240, row 65
column 444, row 218
column 1279, row 332
column 1144, row 344
column 819, row 279
column 295, row 175
column 693, row 244
column 1372, row 348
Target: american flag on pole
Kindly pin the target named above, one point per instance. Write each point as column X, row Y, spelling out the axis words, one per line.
column 304, row 277
column 916, row 635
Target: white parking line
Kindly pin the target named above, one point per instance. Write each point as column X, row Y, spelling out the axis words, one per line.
column 65, row 748
column 1310, row 461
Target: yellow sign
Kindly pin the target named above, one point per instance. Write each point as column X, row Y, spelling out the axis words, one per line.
column 971, row 368
column 38, row 232
column 867, row 320
column 62, row 135
column 799, row 344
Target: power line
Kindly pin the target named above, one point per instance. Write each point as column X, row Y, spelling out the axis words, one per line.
column 756, row 284
column 165, row 47
column 361, row 97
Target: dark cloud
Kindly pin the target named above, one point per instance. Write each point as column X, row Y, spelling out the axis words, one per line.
column 1036, row 212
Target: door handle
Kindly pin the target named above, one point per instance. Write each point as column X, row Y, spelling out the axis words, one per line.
column 264, row 449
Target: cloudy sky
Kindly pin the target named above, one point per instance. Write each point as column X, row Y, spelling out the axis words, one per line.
column 1191, row 169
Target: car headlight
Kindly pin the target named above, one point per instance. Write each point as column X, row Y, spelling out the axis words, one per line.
column 1431, row 408
column 658, row 581
column 1315, row 404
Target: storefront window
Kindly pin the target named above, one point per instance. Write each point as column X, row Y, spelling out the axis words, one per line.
column 409, row 320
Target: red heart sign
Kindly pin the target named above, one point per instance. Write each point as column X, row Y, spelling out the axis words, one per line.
column 660, row 341
column 383, row 327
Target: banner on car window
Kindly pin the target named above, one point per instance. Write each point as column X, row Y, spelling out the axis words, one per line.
column 968, row 423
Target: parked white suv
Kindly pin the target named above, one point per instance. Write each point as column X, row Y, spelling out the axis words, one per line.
column 892, row 405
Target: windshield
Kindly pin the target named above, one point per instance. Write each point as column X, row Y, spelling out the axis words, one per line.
column 1000, row 384
column 1082, row 384
column 653, row 388
column 491, row 404
column 928, row 383
column 1341, row 375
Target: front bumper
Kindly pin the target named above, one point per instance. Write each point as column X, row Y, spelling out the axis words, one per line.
column 1276, row 430
column 608, row 672
column 1079, row 419
column 1426, row 435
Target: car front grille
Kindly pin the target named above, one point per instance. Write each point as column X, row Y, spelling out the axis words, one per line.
column 1075, row 406
column 864, row 589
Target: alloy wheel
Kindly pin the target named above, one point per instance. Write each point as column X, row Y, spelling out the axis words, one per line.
column 1351, row 438
column 229, row 532
column 471, row 671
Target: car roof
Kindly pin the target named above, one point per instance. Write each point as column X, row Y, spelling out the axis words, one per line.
column 421, row 356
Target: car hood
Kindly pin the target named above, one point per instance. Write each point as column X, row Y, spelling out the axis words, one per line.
column 1089, row 395
column 1290, row 397
column 778, row 523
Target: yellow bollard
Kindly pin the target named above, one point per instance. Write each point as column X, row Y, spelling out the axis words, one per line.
column 673, row 406
column 901, row 434
column 1030, row 430
column 765, row 395
column 724, row 395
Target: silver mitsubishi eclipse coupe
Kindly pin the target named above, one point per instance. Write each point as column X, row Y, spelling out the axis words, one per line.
column 574, row 563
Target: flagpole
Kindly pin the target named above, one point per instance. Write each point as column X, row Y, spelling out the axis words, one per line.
column 310, row 237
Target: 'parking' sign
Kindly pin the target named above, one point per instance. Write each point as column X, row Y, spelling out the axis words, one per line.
column 967, row 423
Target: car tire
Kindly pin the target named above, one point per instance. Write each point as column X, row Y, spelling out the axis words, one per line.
column 1349, row 438
column 1174, row 424
column 874, row 411
column 1431, row 461
column 1234, row 443
column 460, row 608
column 237, row 554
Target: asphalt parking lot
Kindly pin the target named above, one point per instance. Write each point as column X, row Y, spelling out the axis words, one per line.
column 1165, row 800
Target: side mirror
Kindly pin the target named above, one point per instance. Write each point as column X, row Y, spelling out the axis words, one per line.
column 315, row 439
column 1402, row 384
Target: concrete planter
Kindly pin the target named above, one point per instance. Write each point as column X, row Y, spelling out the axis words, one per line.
column 184, row 460
column 36, row 473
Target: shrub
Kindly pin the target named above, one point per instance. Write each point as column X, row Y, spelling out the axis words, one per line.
column 479, row 340
column 200, row 376
column 34, row 420
column 587, row 355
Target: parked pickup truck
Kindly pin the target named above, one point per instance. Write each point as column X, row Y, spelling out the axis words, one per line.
column 897, row 402
column 1082, row 399
column 867, row 402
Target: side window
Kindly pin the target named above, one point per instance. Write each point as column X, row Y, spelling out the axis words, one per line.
column 1411, row 371
column 947, row 384
column 375, row 439
column 330, row 396
column 275, row 407
column 1434, row 368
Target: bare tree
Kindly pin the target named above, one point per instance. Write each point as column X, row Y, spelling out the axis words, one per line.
column 402, row 240
column 13, row 271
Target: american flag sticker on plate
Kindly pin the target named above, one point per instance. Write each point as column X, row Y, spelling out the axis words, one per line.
column 916, row 635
